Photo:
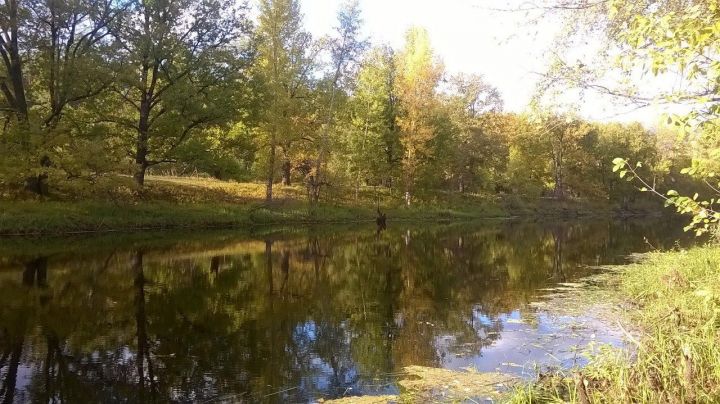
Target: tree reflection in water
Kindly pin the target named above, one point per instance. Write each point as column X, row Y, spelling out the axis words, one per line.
column 299, row 317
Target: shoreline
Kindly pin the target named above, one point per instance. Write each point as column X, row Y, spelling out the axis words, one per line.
column 670, row 301
column 59, row 218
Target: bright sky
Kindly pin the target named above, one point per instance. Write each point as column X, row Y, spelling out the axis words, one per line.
column 471, row 38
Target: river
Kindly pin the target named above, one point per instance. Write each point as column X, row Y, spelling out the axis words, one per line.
column 297, row 314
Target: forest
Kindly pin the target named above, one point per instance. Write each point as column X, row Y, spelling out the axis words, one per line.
column 100, row 96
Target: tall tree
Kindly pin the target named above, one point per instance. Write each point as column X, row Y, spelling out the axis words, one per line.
column 176, row 74
column 372, row 147
column 418, row 75
column 478, row 149
column 346, row 46
column 562, row 137
column 285, row 64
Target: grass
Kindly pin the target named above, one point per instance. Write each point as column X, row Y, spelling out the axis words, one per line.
column 182, row 202
column 675, row 350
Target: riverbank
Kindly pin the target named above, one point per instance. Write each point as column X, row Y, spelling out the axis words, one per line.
column 178, row 203
column 673, row 301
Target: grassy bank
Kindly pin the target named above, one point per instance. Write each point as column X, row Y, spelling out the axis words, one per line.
column 675, row 355
column 172, row 203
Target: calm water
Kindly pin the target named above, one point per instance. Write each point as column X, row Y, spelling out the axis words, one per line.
column 294, row 315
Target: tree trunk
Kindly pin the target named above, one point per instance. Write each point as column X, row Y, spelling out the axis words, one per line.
column 559, row 190
column 558, row 154
column 271, row 171
column 148, row 80
column 314, row 188
column 15, row 96
column 139, row 175
column 141, row 147
column 286, row 172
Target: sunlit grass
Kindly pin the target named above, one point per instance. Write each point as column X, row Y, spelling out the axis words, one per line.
column 675, row 357
column 115, row 203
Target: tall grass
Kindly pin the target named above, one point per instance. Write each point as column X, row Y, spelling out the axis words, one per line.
column 675, row 353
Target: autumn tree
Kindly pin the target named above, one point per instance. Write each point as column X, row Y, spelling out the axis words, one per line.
column 418, row 75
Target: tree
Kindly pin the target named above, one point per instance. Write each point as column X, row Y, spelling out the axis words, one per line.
column 285, row 64
column 592, row 176
column 177, row 72
column 371, row 143
column 54, row 58
column 563, row 135
column 478, row 147
column 418, row 74
column 345, row 49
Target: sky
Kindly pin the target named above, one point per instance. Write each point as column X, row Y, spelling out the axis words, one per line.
column 471, row 36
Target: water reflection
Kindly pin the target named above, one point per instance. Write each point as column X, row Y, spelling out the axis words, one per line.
column 286, row 317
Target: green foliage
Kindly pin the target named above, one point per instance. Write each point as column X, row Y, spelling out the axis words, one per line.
column 371, row 146
column 685, row 42
column 226, row 154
